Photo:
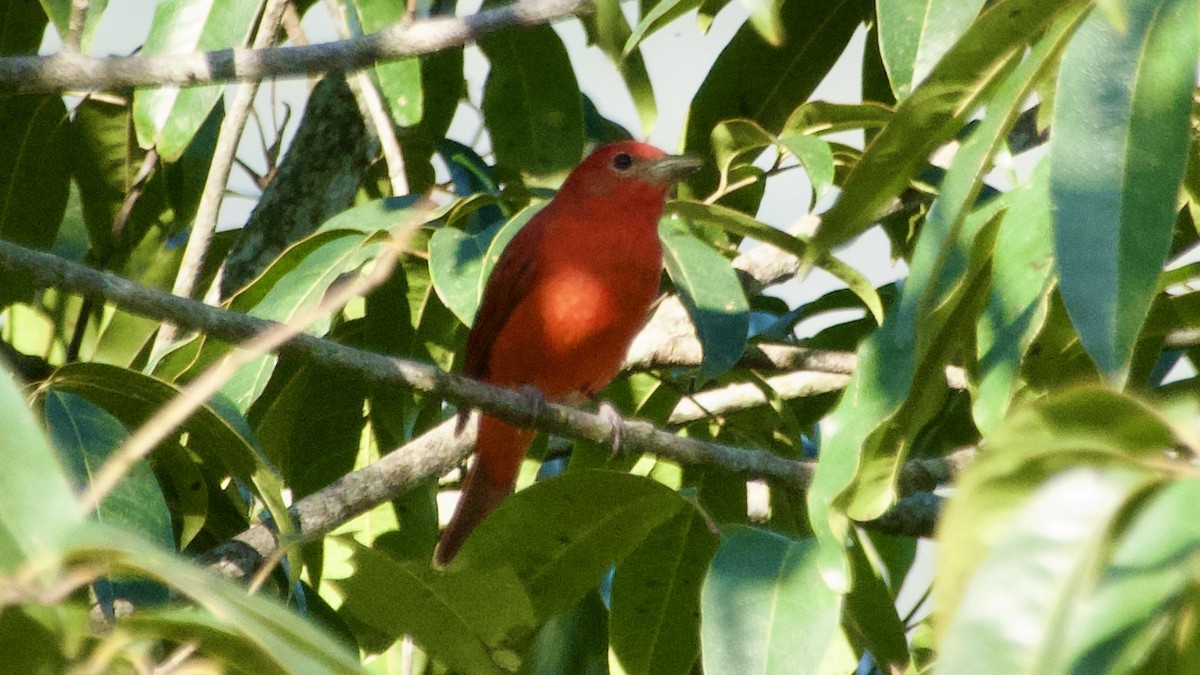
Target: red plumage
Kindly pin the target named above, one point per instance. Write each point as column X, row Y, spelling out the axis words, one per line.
column 566, row 298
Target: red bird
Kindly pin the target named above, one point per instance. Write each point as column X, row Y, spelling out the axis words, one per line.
column 562, row 305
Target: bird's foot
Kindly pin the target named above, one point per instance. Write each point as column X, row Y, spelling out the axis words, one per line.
column 612, row 417
column 535, row 400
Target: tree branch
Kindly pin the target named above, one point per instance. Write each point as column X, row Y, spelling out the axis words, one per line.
column 66, row 71
column 433, row 453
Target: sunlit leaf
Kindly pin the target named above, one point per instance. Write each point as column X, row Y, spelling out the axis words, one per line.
column 168, row 117
column 764, row 607
column 1117, row 157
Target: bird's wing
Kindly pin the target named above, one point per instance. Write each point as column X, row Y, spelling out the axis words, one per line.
column 507, row 286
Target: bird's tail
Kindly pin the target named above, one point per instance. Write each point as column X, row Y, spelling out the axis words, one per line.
column 498, row 454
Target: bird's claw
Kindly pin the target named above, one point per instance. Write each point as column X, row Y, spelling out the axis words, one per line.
column 612, row 417
column 535, row 400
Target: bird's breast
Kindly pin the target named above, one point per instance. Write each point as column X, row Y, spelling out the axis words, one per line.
column 580, row 306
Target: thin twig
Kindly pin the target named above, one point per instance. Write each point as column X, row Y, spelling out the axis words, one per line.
column 63, row 72
column 137, row 188
column 228, row 138
column 371, row 104
column 73, row 41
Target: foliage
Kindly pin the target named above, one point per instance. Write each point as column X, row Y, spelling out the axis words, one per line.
column 1036, row 169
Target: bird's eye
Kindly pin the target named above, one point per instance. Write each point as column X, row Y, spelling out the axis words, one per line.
column 622, row 162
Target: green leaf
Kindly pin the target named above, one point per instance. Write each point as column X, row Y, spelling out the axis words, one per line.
column 869, row 616
column 399, row 80
column 764, row 607
column 654, row 628
column 210, row 633
column 915, row 34
column 1147, row 580
column 663, row 13
column 85, row 435
column 153, row 264
column 608, row 28
column 460, row 264
column 712, row 294
column 531, row 103
column 167, row 118
column 59, row 12
column 24, row 24
column 37, row 508
column 184, row 488
column 312, row 428
column 736, row 142
column 573, row 641
column 1086, row 427
column 281, row 637
column 1119, row 152
column 215, row 430
column 469, row 618
column 34, row 181
column 28, row 645
column 561, row 535
column 765, row 18
column 187, row 175
column 105, row 163
column 739, row 223
column 819, row 117
column 935, row 111
column 816, row 157
column 301, row 276
column 755, row 80
column 1014, row 615
column 899, row 384
column 1022, row 279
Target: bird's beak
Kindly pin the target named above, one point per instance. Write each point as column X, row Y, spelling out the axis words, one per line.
column 672, row 168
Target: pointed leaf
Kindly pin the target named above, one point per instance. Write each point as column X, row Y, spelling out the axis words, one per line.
column 59, row 12
column 899, row 382
column 739, row 223
column 561, row 535
column 85, row 436
column 280, row 636
column 663, row 13
column 1014, row 614
column 1090, row 427
column 1147, row 579
column 935, row 111
column 1119, row 152
column 301, row 276
column 37, row 508
column 34, row 181
column 1022, row 279
column 764, row 607
column 105, row 163
column 610, row 31
column 168, row 117
column 471, row 619
column 754, row 80
column 531, row 103
column 712, row 294
column 215, row 430
column 459, row 263
column 399, row 80
column 654, row 626
column 914, row 34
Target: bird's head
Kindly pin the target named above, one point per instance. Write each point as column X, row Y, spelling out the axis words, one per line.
column 629, row 172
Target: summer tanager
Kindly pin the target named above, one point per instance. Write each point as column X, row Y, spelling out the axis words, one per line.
column 566, row 298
